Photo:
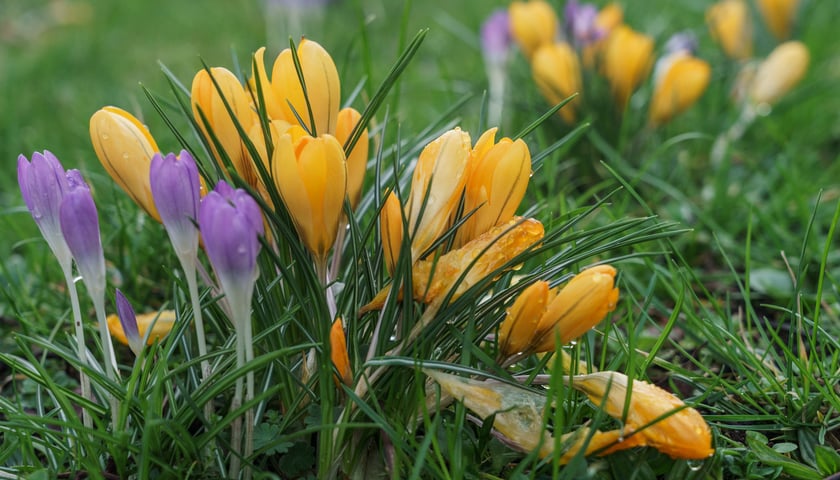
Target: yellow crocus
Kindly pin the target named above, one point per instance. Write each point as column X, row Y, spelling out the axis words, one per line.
column 338, row 353
column 436, row 187
column 730, row 25
column 516, row 333
column 163, row 323
column 556, row 71
column 258, row 138
column 391, row 230
column 125, row 148
column 626, row 61
column 532, row 25
column 680, row 80
column 577, row 307
column 322, row 87
column 608, row 18
column 311, row 176
column 212, row 116
column 778, row 15
column 273, row 105
column 498, row 175
column 656, row 417
column 356, row 158
column 779, row 72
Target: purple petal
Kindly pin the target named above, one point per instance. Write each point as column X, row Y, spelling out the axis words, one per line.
column 80, row 226
column 580, row 23
column 128, row 320
column 43, row 185
column 495, row 35
column 175, row 190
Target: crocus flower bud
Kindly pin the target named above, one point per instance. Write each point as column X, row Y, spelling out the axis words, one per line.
column 729, row 24
column 176, row 189
column 627, row 59
column 161, row 323
column 436, row 187
column 579, row 306
column 125, row 147
column 391, row 230
column 496, row 183
column 495, row 37
column 556, row 71
column 338, row 353
column 778, row 15
column 580, row 20
column 679, row 80
column 516, row 333
column 128, row 322
column 311, row 176
column 212, row 116
column 532, row 24
column 80, row 227
column 607, row 20
column 356, row 158
column 779, row 72
column 273, row 104
column 322, row 87
column 43, row 185
column 683, row 433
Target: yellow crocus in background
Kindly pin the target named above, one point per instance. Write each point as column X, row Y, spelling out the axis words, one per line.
column 212, row 116
column 338, row 353
column 607, row 20
column 532, row 25
column 311, row 176
column 163, row 323
column 125, row 148
column 679, row 81
column 730, row 25
column 391, row 230
column 779, row 72
column 556, row 71
column 626, row 61
column 356, row 158
column 778, row 15
column 516, row 333
column 322, row 87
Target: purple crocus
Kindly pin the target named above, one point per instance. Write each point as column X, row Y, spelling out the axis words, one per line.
column 495, row 36
column 580, row 23
column 684, row 41
column 43, row 184
column 175, row 190
column 128, row 320
column 80, row 227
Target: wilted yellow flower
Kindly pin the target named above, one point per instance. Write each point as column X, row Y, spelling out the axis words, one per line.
column 338, row 352
column 680, row 80
column 436, row 187
column 683, row 433
column 778, row 15
column 212, row 116
column 311, row 177
column 779, row 72
column 497, row 177
column 357, row 158
column 125, row 148
column 516, row 333
column 391, row 230
column 577, row 307
column 626, row 61
column 322, row 86
column 163, row 323
column 532, row 24
column 730, row 25
column 556, row 71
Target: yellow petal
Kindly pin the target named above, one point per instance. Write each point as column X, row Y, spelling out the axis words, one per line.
column 778, row 15
column 681, row 82
column 163, row 323
column 532, row 24
column 578, row 307
column 338, row 352
column 627, row 58
column 516, row 333
column 357, row 158
column 729, row 23
column 272, row 103
column 556, row 71
column 780, row 72
column 683, row 434
column 125, row 148
column 391, row 230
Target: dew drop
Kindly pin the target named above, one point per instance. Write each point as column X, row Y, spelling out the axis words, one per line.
column 694, row 465
column 125, row 156
column 104, row 136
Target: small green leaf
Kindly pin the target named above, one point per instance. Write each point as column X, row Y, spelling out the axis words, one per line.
column 828, row 460
column 768, row 456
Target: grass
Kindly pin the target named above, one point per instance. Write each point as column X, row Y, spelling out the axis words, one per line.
column 729, row 290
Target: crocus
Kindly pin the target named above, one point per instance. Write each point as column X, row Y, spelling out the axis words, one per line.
column 778, row 15
column 161, row 323
column 498, row 175
column 338, row 353
column 125, row 148
column 80, row 227
column 679, row 80
column 580, row 20
column 626, row 61
column 730, row 25
column 657, row 417
column 175, row 189
column 556, row 71
column 607, row 20
column 779, row 72
column 43, row 184
column 391, row 230
column 532, row 24
column 357, row 158
column 311, row 176
column 323, row 89
column 128, row 321
column 517, row 330
column 496, row 41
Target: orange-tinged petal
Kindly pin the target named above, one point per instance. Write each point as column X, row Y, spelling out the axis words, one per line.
column 322, row 86
column 579, row 306
column 627, row 59
column 357, row 158
column 556, row 71
column 338, row 352
column 163, row 323
column 125, row 148
column 682, row 433
column 609, row 17
column 680, row 80
column 516, row 333
column 779, row 73
column 778, row 15
column 730, row 25
column 391, row 230
column 532, row 24
column 272, row 103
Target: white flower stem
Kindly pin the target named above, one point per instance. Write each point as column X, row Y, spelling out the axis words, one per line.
column 84, row 380
column 188, row 265
column 236, row 427
column 111, row 370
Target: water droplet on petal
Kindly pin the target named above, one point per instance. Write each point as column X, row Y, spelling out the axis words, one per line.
column 694, row 465
column 104, row 136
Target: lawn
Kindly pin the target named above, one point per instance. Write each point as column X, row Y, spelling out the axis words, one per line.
column 718, row 228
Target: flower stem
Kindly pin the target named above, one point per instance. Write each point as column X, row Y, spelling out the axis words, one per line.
column 108, row 351
column 236, row 427
column 192, row 284
column 84, row 380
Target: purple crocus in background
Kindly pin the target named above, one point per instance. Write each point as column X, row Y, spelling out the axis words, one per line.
column 496, row 41
column 128, row 320
column 43, row 184
column 580, row 23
